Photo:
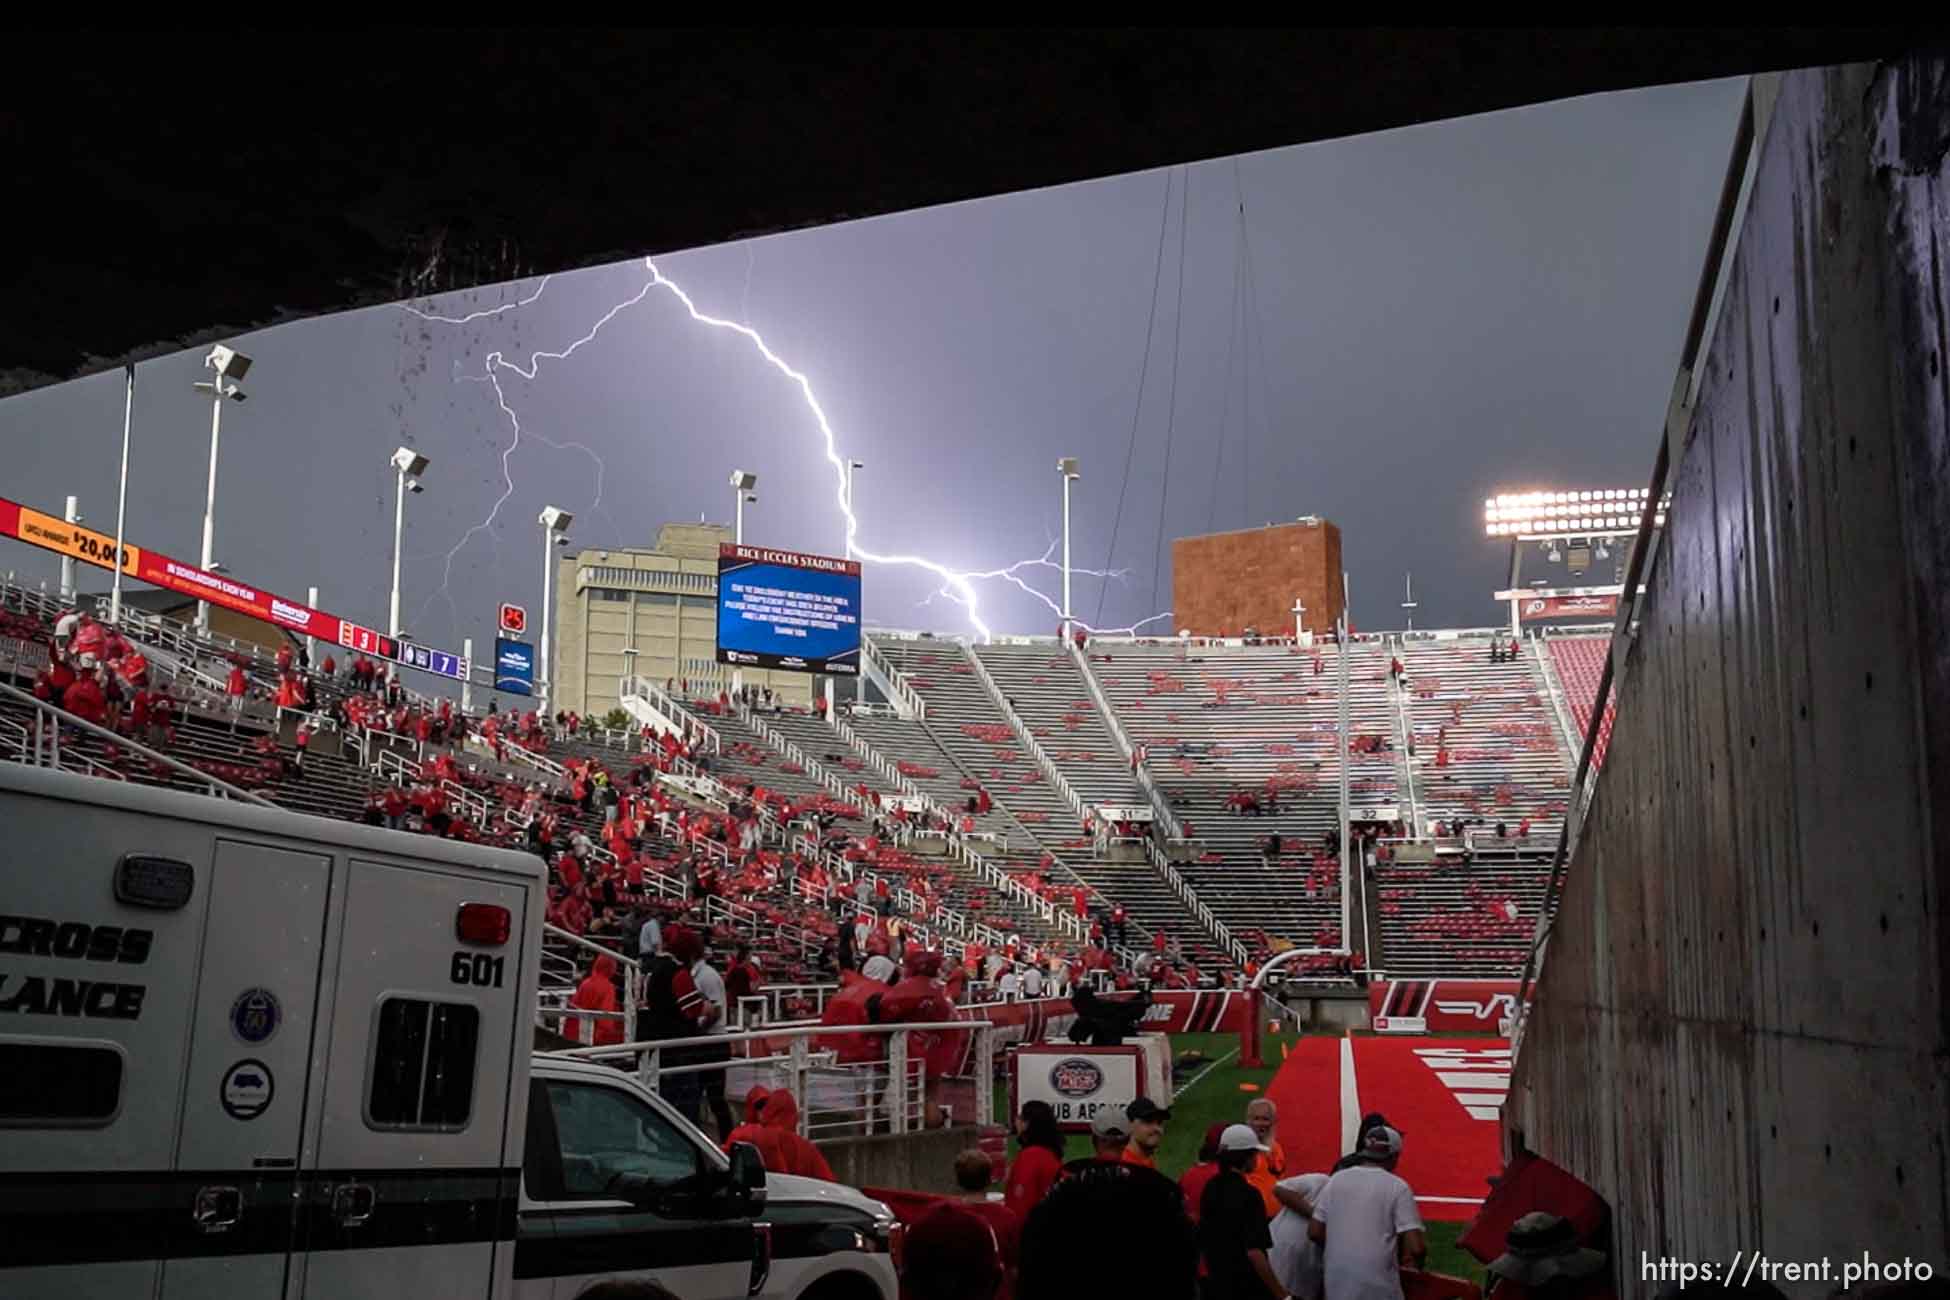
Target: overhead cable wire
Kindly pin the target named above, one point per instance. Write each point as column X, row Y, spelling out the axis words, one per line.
column 1137, row 406
column 1171, row 405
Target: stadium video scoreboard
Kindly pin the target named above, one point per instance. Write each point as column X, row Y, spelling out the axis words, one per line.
column 788, row 610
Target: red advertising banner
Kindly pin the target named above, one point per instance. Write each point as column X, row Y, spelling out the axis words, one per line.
column 23, row 523
column 1568, row 607
column 1442, row 1006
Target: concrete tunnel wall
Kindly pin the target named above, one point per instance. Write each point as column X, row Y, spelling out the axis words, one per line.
column 1739, row 1035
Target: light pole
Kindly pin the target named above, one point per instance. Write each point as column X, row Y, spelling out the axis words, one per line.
column 555, row 527
column 741, row 483
column 122, row 499
column 846, row 552
column 629, row 670
column 230, row 366
column 73, row 515
column 1067, row 467
column 410, row 465
column 1408, row 598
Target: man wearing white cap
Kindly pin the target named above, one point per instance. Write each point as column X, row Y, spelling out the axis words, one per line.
column 1110, row 1133
column 1232, row 1232
column 1367, row 1225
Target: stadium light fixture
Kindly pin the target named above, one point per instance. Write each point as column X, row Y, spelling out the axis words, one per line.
column 228, row 362
column 1545, row 514
column 742, row 481
column 555, row 529
column 227, row 366
column 408, row 466
column 1071, row 470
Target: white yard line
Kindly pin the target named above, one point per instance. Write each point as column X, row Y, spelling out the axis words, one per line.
column 1350, row 1096
column 1194, row 1080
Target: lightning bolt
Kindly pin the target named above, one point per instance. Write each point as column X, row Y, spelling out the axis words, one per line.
column 492, row 366
column 957, row 585
column 473, row 316
column 1009, row 575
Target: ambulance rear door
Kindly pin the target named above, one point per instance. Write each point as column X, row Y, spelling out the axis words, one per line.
column 413, row 1187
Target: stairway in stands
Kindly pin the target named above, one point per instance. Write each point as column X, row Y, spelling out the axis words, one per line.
column 965, row 723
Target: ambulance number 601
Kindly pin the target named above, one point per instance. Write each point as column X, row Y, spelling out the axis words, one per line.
column 477, row 969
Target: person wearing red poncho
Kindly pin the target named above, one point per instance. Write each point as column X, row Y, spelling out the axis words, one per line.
column 794, row 1153
column 753, row 1130
column 84, row 699
column 597, row 992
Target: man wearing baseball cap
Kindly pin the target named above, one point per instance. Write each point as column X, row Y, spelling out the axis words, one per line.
column 1110, row 1133
column 1367, row 1225
column 1233, row 1238
column 1147, row 1131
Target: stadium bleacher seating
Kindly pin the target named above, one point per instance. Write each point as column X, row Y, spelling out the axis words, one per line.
column 1579, row 661
column 967, row 723
column 1486, row 746
column 1218, row 721
column 1458, row 920
column 1460, row 737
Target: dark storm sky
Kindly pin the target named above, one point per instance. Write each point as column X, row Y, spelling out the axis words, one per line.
column 1432, row 313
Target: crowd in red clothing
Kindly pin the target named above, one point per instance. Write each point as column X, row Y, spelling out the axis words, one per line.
column 99, row 676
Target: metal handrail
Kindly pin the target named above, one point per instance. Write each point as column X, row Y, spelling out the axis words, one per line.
column 778, row 740
column 62, row 718
column 1023, row 733
column 1219, row 930
column 1160, row 806
column 799, row 1057
column 895, row 678
column 1568, row 734
column 958, row 847
column 688, row 723
column 1404, row 742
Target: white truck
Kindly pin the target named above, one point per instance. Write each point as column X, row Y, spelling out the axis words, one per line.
column 251, row 1053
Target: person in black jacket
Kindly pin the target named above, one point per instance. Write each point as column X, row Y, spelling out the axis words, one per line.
column 673, row 1007
column 1073, row 1240
column 1233, row 1237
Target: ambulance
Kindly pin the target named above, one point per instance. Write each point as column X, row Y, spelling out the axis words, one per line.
column 251, row 1053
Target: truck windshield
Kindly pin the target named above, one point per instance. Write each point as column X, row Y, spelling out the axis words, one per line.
column 605, row 1132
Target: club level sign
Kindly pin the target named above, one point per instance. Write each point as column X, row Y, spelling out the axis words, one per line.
column 1077, row 1083
column 514, row 619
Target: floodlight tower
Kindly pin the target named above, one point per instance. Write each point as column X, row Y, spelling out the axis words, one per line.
column 1571, row 528
column 230, row 366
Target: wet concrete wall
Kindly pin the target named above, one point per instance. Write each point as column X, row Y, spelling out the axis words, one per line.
column 1739, row 1034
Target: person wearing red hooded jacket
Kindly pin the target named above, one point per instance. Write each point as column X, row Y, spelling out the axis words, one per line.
column 795, row 1155
column 920, row 997
column 597, row 992
column 85, row 699
column 753, row 1130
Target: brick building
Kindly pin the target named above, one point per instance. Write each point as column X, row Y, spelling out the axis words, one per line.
column 1224, row 583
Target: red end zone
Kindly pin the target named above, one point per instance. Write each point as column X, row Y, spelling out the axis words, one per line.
column 1443, row 1094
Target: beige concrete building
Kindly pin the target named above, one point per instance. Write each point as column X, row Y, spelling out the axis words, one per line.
column 661, row 602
